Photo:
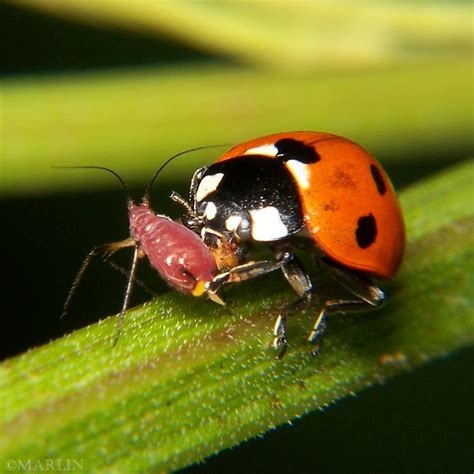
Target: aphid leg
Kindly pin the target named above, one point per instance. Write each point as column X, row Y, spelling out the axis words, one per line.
column 369, row 297
column 125, row 272
column 128, row 292
column 301, row 283
column 106, row 250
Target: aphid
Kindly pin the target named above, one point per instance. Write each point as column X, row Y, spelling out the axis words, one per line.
column 309, row 190
column 175, row 251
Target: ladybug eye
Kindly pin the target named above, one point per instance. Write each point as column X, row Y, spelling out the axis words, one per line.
column 244, row 224
column 239, row 226
column 243, row 231
column 232, row 223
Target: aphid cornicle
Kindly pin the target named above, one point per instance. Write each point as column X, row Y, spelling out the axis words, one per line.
column 176, row 252
column 307, row 190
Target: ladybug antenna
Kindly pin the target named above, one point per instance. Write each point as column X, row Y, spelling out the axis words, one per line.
column 146, row 197
column 122, row 182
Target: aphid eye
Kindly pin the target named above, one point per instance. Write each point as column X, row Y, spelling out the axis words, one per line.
column 185, row 273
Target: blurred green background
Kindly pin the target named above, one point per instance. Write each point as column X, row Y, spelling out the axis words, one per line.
column 128, row 84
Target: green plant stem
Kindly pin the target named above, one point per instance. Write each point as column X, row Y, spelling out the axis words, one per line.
column 188, row 379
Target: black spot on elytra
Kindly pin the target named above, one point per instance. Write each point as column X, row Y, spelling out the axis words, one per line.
column 366, row 231
column 291, row 149
column 379, row 181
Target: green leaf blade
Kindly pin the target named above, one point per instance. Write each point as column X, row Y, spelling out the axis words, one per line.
column 87, row 120
column 187, row 379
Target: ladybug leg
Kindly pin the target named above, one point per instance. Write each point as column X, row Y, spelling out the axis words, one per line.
column 368, row 297
column 315, row 338
column 247, row 271
column 296, row 277
column 301, row 283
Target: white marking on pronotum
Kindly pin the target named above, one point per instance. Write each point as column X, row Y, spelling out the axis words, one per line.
column 208, row 185
column 210, row 211
column 296, row 167
column 301, row 170
column 265, row 150
column 232, row 223
column 267, row 224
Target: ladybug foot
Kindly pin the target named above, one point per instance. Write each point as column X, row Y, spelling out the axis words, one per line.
column 280, row 345
column 279, row 342
column 316, row 343
column 315, row 338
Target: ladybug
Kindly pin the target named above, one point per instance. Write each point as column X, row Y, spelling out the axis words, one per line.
column 302, row 190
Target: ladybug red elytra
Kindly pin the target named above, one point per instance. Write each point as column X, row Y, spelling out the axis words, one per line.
column 302, row 190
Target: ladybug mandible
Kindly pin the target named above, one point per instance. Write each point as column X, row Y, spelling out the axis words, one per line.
column 292, row 189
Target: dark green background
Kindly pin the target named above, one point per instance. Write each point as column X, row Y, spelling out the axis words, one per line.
column 420, row 422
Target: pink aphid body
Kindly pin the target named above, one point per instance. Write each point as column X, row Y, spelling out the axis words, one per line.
column 174, row 251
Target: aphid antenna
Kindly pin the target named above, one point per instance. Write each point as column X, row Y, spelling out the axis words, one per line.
column 106, row 250
column 146, row 196
column 111, row 171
